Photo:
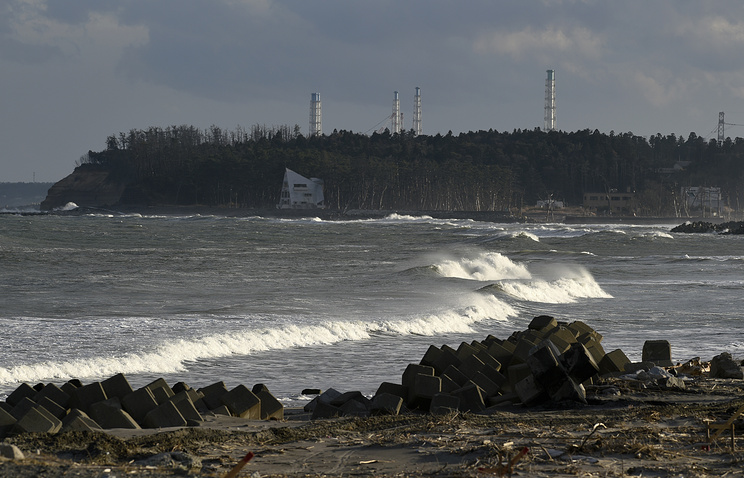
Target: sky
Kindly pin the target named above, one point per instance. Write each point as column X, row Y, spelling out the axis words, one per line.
column 74, row 72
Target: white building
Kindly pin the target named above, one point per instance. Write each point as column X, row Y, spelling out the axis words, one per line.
column 299, row 192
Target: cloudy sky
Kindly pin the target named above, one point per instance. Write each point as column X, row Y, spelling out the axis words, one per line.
column 74, row 72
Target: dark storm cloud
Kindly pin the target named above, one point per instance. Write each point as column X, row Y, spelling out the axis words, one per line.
column 647, row 67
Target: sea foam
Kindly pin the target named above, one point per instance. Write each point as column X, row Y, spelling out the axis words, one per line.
column 175, row 355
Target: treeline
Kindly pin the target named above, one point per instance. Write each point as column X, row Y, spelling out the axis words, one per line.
column 477, row 171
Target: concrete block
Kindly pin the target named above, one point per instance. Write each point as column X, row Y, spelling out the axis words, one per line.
column 271, row 408
column 430, row 357
column 500, row 353
column 242, row 403
column 38, row 420
column 544, row 364
column 22, row 407
column 517, row 373
column 68, row 388
column 568, row 390
column 325, row 397
column 164, row 416
column 578, row 328
column 579, row 363
column 6, row 420
column 456, row 375
column 479, row 345
column 85, row 396
column 160, row 390
column 471, row 365
column 180, row 387
column 346, row 396
column 52, row 407
column 595, row 349
column 495, row 376
column 24, row 390
column 325, row 410
column 471, row 398
column 78, row 420
column 522, row 350
column 354, row 408
column 213, row 394
column 184, row 404
column 139, row 403
column 446, row 358
column 449, row 385
column 444, row 403
column 488, row 359
column 409, row 375
column 386, row 404
column 222, row 410
column 491, row 339
column 530, row 392
column 464, row 350
column 109, row 414
column 117, row 386
column 393, row 389
column 560, row 344
column 503, row 400
column 613, row 362
column 425, row 386
column 543, row 322
column 658, row 352
column 54, row 393
column 486, row 384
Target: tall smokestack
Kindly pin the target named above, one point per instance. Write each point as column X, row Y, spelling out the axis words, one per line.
column 417, row 112
column 550, row 101
column 316, row 126
column 396, row 117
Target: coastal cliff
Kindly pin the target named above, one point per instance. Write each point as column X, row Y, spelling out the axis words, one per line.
column 87, row 186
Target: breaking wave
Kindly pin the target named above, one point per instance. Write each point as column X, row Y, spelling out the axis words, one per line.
column 174, row 356
column 484, row 267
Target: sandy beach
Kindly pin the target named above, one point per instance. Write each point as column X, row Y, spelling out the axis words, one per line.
column 629, row 428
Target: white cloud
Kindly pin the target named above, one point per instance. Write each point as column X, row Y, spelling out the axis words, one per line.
column 533, row 41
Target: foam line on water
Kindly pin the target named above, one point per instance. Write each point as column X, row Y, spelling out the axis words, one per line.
column 174, row 356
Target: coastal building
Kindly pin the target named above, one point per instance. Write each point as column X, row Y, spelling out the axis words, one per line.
column 612, row 202
column 299, row 192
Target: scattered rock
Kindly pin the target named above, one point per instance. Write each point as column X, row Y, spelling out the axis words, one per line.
column 11, row 452
column 724, row 366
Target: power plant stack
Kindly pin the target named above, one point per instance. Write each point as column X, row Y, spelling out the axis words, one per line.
column 417, row 112
column 397, row 117
column 316, row 126
column 550, row 101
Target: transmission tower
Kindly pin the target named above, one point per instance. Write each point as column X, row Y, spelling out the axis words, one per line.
column 316, row 127
column 721, row 128
column 550, row 101
column 417, row 112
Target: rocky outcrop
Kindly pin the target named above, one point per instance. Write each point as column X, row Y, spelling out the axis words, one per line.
column 87, row 186
column 731, row 227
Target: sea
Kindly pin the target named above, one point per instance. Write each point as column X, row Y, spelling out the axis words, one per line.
column 310, row 303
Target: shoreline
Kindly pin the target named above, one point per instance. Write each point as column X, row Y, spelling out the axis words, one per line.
column 359, row 214
column 639, row 432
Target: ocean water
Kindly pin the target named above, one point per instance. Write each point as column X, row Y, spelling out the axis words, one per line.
column 307, row 303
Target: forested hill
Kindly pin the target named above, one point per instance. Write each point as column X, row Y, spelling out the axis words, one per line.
column 475, row 171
